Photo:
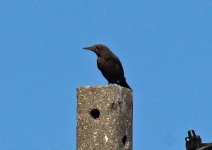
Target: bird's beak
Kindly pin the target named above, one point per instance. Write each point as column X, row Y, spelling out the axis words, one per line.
column 89, row 48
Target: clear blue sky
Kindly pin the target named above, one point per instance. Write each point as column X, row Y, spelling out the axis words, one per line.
column 165, row 48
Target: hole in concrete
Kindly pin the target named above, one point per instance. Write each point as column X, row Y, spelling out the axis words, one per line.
column 95, row 113
column 124, row 139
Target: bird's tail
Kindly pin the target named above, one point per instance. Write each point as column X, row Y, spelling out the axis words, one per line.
column 124, row 84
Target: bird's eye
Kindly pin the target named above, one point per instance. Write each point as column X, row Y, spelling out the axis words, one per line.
column 98, row 48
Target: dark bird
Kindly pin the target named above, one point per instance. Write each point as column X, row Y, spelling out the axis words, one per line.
column 109, row 64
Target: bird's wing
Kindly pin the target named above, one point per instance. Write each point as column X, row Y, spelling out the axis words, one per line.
column 118, row 65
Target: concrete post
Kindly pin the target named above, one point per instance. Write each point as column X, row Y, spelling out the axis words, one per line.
column 104, row 118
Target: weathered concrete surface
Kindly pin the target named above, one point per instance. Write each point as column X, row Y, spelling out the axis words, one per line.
column 104, row 118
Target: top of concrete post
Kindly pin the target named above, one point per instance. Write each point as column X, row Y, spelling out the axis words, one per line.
column 104, row 118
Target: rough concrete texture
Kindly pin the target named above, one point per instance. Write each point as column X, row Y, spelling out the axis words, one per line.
column 104, row 118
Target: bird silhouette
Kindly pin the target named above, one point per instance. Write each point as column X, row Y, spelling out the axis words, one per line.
column 109, row 65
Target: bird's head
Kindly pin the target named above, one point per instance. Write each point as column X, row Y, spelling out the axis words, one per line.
column 99, row 49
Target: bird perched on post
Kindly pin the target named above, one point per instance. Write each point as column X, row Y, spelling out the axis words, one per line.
column 109, row 64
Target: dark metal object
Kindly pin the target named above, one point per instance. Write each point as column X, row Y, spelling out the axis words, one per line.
column 194, row 142
column 207, row 147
